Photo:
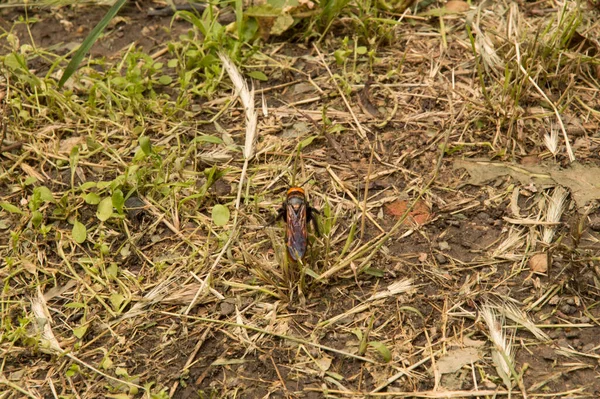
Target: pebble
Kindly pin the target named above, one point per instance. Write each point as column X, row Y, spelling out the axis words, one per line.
column 548, row 354
column 568, row 309
column 572, row 333
column 444, row 246
column 226, row 308
column 441, row 259
column 588, row 348
column 571, row 301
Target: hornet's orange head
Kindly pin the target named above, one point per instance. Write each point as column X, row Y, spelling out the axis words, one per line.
column 296, row 191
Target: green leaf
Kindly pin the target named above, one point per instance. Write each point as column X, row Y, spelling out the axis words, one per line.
column 14, row 61
column 173, row 63
column 79, row 332
column 382, row 349
column 281, row 24
column 258, row 75
column 361, row 50
column 112, row 270
column 106, row 363
column 374, row 272
column 73, row 370
column 87, row 185
column 220, row 215
column 263, row 11
column 118, row 200
column 105, row 209
column 8, row 207
column 116, row 300
column 79, row 232
column 306, row 142
column 92, row 199
column 165, row 80
column 89, row 41
column 145, row 144
column 74, row 156
column 36, row 218
column 44, row 193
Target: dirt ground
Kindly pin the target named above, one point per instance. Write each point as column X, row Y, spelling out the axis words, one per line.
column 471, row 238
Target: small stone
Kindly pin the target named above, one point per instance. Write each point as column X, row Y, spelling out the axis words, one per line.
column 572, row 333
column 594, row 222
column 588, row 348
column 484, row 216
column 568, row 309
column 444, row 246
column 226, row 308
column 548, row 354
column 571, row 301
column 556, row 333
column 441, row 259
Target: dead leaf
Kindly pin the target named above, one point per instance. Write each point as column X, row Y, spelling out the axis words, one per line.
column 457, row 6
column 530, row 160
column 365, row 100
column 538, row 263
column 472, row 342
column 580, row 180
column 456, row 358
column 419, row 215
column 324, row 363
column 67, row 144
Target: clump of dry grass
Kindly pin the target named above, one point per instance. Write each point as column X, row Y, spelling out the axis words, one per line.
column 502, row 350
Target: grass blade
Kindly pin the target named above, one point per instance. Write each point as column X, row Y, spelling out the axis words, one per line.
column 89, row 41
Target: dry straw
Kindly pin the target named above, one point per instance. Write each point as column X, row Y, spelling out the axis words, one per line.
column 502, row 351
column 556, row 205
column 247, row 98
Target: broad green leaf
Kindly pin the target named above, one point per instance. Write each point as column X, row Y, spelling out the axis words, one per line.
column 44, row 193
column 8, row 207
column 258, row 75
column 73, row 370
column 105, row 209
column 112, row 270
column 106, row 363
column 87, row 185
column 79, row 232
column 165, row 80
column 36, row 218
column 382, row 349
column 92, row 199
column 89, row 41
column 281, row 24
column 79, row 332
column 220, row 215
column 374, row 272
column 116, row 300
column 74, row 156
column 14, row 61
column 145, row 145
column 306, row 142
column 263, row 11
column 118, row 200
